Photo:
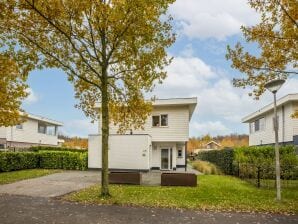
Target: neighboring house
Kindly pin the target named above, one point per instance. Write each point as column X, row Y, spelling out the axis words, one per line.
column 36, row 130
column 261, row 131
column 161, row 145
column 212, row 145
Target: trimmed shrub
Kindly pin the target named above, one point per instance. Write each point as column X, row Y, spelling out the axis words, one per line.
column 221, row 158
column 261, row 159
column 205, row 167
column 10, row 161
column 60, row 149
column 63, row 160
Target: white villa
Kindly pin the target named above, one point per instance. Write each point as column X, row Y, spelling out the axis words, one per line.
column 36, row 130
column 162, row 145
column 261, row 130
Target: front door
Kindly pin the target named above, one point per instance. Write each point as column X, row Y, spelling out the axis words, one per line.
column 165, row 161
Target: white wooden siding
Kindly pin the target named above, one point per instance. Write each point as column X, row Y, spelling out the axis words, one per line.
column 125, row 152
column 176, row 131
column 285, row 132
column 29, row 134
column 2, row 132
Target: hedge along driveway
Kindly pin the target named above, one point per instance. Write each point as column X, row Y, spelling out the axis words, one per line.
column 46, row 159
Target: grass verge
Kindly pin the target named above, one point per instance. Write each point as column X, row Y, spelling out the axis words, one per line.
column 216, row 193
column 13, row 176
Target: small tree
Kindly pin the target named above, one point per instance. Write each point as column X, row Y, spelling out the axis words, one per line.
column 112, row 51
column 277, row 39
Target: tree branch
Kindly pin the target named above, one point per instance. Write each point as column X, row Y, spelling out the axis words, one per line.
column 62, row 32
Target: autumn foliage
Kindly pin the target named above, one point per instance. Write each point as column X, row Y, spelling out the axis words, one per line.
column 276, row 36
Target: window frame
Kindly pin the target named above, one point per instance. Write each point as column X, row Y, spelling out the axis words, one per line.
column 160, row 120
column 167, row 120
column 179, row 150
column 40, row 124
column 19, row 127
column 158, row 125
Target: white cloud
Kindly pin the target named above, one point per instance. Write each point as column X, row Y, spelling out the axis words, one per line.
column 78, row 127
column 213, row 18
column 220, row 105
column 32, row 97
column 214, row 127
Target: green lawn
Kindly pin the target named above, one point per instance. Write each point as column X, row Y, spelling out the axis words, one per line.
column 13, row 176
column 214, row 192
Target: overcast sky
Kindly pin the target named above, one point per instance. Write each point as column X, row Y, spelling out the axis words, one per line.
column 204, row 28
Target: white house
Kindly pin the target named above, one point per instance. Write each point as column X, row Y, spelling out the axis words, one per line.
column 161, row 145
column 36, row 130
column 261, row 131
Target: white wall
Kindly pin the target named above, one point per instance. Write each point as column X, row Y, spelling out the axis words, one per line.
column 285, row 132
column 125, row 152
column 2, row 132
column 29, row 134
column 178, row 125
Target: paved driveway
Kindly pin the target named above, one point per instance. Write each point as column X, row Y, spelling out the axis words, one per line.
column 52, row 185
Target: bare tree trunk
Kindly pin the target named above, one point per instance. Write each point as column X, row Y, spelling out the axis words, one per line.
column 105, row 135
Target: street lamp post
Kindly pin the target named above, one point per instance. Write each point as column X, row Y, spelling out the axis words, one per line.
column 273, row 86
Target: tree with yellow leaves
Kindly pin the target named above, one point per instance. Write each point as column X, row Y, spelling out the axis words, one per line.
column 277, row 39
column 12, row 92
column 112, row 51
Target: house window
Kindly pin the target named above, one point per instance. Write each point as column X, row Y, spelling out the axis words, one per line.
column 42, row 128
column 51, row 130
column 164, row 120
column 160, row 120
column 259, row 124
column 19, row 126
column 180, row 153
column 155, row 121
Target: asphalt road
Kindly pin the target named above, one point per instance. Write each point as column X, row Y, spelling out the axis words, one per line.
column 26, row 210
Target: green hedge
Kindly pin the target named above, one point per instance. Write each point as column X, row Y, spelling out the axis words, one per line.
column 246, row 161
column 48, row 148
column 18, row 161
column 221, row 158
column 10, row 161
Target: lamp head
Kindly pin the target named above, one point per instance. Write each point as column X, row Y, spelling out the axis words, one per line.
column 274, row 85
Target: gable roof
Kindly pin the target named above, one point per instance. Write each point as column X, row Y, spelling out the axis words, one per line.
column 214, row 142
column 282, row 101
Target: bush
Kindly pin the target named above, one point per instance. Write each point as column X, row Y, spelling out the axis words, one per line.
column 63, row 160
column 221, row 158
column 10, row 161
column 205, row 167
column 49, row 148
column 251, row 160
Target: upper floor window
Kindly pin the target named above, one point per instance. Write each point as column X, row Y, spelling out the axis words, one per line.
column 155, row 121
column 160, row 120
column 19, row 126
column 42, row 128
column 257, row 125
column 51, row 130
column 164, row 120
